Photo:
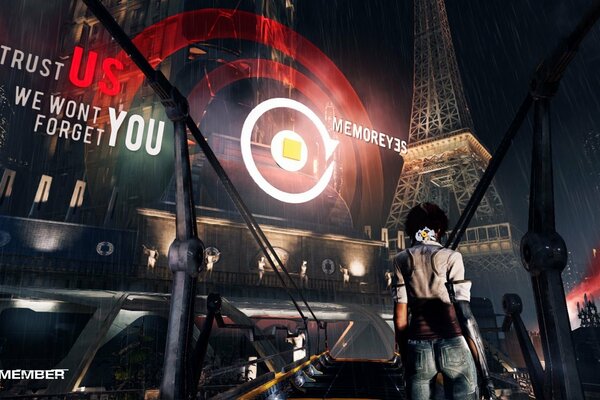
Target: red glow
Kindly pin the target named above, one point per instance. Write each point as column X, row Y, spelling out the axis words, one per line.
column 590, row 285
column 161, row 40
column 237, row 70
column 109, row 67
column 114, row 86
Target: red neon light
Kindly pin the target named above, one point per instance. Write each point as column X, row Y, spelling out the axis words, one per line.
column 164, row 38
column 109, row 65
column 90, row 67
column 590, row 285
column 237, row 70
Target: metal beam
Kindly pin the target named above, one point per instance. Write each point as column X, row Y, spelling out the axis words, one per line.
column 547, row 76
column 89, row 341
column 544, row 255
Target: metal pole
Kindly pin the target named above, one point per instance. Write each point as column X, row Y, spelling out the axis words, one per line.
column 513, row 307
column 486, row 179
column 213, row 306
column 170, row 98
column 544, row 255
column 185, row 259
column 323, row 324
column 548, row 74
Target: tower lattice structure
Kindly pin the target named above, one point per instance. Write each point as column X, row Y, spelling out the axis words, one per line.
column 445, row 160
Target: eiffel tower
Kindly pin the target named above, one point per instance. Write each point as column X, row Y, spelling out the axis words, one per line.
column 445, row 160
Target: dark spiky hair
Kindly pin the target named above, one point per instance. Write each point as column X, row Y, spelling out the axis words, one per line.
column 426, row 215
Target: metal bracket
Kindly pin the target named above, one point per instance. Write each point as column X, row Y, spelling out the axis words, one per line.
column 513, row 306
column 543, row 251
column 186, row 256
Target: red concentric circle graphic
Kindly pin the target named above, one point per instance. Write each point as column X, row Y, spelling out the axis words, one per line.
column 323, row 83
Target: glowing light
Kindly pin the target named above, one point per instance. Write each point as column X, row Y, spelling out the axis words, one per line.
column 36, row 305
column 291, row 313
column 289, row 150
column 252, row 368
column 45, row 238
column 248, row 26
column 246, row 146
column 357, row 268
column 589, row 286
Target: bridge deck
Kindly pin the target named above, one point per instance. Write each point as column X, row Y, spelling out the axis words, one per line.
column 356, row 379
column 323, row 377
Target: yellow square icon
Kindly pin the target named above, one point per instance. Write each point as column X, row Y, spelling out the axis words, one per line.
column 292, row 149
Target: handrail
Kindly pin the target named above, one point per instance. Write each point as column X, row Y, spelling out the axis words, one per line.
column 236, row 367
column 543, row 251
column 512, row 308
column 177, row 107
column 171, row 97
column 281, row 376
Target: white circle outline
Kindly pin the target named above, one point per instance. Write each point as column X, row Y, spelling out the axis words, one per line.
column 108, row 252
column 246, row 147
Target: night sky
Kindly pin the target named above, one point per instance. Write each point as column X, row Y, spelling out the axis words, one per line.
column 498, row 44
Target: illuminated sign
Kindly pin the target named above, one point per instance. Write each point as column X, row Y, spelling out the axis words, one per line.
column 369, row 135
column 288, row 149
column 68, row 119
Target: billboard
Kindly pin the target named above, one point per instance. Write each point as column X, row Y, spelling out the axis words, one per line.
column 77, row 108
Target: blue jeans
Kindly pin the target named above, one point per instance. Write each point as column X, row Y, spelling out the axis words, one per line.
column 451, row 357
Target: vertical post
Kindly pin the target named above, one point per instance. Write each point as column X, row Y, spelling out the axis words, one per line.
column 513, row 307
column 323, row 325
column 185, row 257
column 76, row 199
column 213, row 307
column 307, row 341
column 6, row 184
column 544, row 255
column 41, row 196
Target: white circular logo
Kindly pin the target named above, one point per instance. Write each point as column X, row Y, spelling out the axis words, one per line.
column 328, row 266
column 288, row 149
column 105, row 248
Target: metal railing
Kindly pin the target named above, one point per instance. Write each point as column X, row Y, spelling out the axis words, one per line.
column 181, row 367
column 543, row 251
column 269, row 280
